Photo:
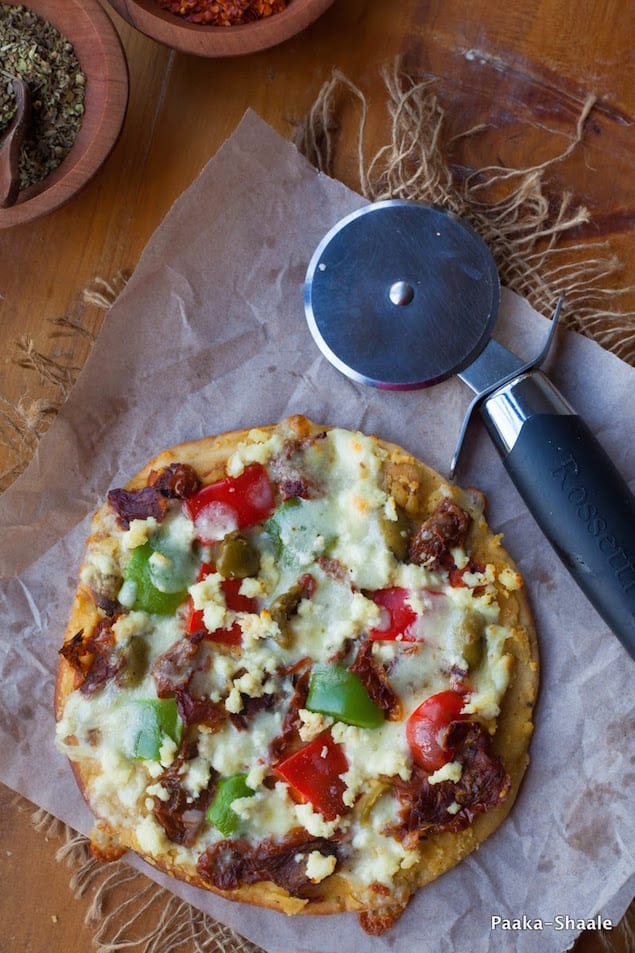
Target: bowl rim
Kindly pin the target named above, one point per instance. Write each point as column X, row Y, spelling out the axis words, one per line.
column 95, row 40
column 217, row 41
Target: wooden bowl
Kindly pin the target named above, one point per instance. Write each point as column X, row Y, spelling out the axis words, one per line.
column 98, row 48
column 148, row 17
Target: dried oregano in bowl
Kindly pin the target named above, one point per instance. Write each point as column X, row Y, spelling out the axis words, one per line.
column 35, row 51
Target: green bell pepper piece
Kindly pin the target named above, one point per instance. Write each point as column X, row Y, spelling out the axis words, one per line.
column 220, row 812
column 277, row 526
column 335, row 690
column 152, row 720
column 148, row 598
column 296, row 532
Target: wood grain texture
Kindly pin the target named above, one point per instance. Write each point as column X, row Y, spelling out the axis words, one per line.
column 519, row 71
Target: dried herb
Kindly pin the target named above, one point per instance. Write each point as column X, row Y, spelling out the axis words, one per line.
column 223, row 12
column 31, row 48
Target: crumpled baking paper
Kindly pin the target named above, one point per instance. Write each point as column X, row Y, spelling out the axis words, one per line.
column 210, row 335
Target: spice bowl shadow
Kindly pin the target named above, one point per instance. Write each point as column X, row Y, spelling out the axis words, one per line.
column 96, row 44
column 200, row 39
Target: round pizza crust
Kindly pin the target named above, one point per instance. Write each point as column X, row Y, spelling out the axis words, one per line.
column 416, row 487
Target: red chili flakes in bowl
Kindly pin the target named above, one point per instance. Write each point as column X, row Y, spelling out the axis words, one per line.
column 223, row 12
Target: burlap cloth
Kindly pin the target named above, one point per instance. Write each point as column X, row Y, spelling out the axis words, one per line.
column 527, row 230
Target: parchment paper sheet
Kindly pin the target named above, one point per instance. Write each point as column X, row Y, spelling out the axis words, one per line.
column 210, row 335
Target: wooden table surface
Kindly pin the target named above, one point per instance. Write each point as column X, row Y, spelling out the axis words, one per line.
column 521, row 70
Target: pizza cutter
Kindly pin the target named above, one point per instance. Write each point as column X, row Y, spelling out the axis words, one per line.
column 400, row 296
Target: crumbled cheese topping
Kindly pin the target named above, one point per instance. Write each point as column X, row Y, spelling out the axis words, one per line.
column 315, row 823
column 319, row 866
column 168, row 752
column 257, row 626
column 195, row 777
column 510, row 579
column 258, row 448
column 151, row 837
column 139, row 532
column 384, row 751
column 378, row 858
column 312, row 724
column 208, row 592
column 130, row 624
column 448, row 772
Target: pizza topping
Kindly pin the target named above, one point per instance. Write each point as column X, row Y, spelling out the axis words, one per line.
column 176, row 481
column 491, row 678
column 450, row 806
column 198, row 711
column 102, row 575
column 483, row 783
column 292, row 719
column 139, row 504
column 397, row 615
column 286, row 605
column 296, row 530
column 220, row 812
column 77, row 653
column 141, row 592
column 234, row 863
column 237, row 558
column 427, row 729
column 314, row 773
column 230, row 504
column 339, row 692
column 467, row 575
column 94, row 656
column 157, row 576
column 472, row 632
column 209, row 604
column 373, row 677
column 179, row 814
column 381, row 753
column 446, row 528
column 250, row 706
column 173, row 668
column 378, row 920
column 149, row 723
column 320, row 866
column 288, row 469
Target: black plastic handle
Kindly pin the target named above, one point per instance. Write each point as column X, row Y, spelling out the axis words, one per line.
column 585, row 509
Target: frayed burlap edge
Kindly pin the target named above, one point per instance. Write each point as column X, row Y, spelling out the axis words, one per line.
column 524, row 229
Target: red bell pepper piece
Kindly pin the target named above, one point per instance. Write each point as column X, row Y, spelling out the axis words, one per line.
column 234, row 601
column 427, row 726
column 231, row 504
column 314, row 772
column 397, row 615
